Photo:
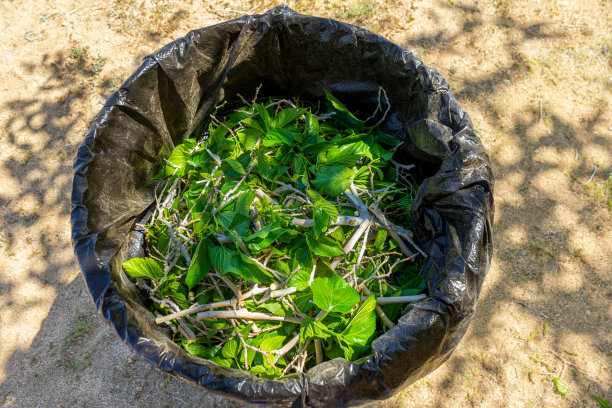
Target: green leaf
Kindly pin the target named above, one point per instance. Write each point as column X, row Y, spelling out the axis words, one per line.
column 264, row 115
column 312, row 329
column 311, row 129
column 275, row 308
column 264, row 237
column 276, row 137
column 300, row 279
column 250, row 270
column 236, row 166
column 333, row 180
column 381, row 237
column 177, row 160
column 286, row 116
column 230, row 349
column 348, row 155
column 223, row 362
column 360, row 329
column 319, row 202
column 343, row 115
column 323, row 246
column 200, row 265
column 143, row 268
column 602, row 402
column 244, row 201
column 249, row 136
column 223, row 260
column 272, row 343
column 217, row 136
column 334, row 295
column 321, row 221
column 560, row 386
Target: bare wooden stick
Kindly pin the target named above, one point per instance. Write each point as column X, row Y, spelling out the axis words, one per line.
column 397, row 299
column 245, row 314
column 361, row 252
column 352, row 242
column 318, row 351
column 285, row 349
column 342, row 220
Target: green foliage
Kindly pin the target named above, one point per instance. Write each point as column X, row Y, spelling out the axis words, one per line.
column 143, row 268
column 334, row 295
column 252, row 200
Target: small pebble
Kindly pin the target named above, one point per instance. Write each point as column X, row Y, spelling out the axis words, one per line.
column 139, row 388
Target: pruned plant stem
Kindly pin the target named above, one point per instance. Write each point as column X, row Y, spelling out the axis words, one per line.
column 229, row 284
column 171, row 232
column 348, row 247
column 318, row 351
column 342, row 220
column 295, row 190
column 245, row 314
column 257, row 290
column 381, row 217
column 285, row 349
column 397, row 299
column 361, row 252
column 216, row 158
column 381, row 313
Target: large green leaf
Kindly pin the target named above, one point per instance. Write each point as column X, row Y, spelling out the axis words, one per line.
column 249, row 136
column 244, row 201
column 334, row 294
column 311, row 128
column 286, row 116
column 323, row 246
column 143, row 268
column 381, row 237
column 230, row 349
column 264, row 115
column 361, row 327
column 272, row 343
column 333, row 180
column 200, row 265
column 348, row 155
column 276, row 137
column 223, row 260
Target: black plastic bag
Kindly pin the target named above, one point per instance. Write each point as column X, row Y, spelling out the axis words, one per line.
column 290, row 55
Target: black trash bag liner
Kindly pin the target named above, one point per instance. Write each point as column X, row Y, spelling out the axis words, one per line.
column 291, row 55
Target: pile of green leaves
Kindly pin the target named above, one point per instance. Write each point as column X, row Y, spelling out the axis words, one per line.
column 256, row 214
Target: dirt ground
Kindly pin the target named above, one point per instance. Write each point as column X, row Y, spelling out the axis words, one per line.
column 536, row 78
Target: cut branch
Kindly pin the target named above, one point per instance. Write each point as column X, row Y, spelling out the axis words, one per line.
column 245, row 314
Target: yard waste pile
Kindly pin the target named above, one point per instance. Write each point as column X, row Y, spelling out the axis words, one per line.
column 292, row 57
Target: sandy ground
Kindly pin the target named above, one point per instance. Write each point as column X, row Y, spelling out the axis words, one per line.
column 536, row 78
